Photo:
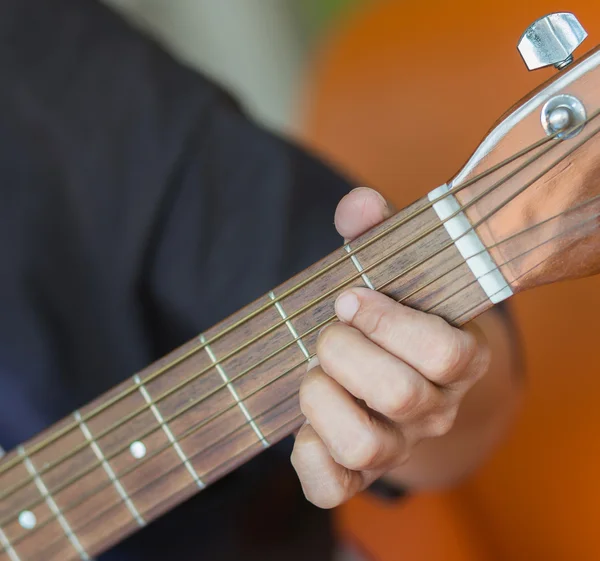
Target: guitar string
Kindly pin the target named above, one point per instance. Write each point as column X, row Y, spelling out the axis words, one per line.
column 35, row 448
column 47, row 467
column 199, row 426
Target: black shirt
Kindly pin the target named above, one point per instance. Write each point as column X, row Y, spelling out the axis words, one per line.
column 139, row 207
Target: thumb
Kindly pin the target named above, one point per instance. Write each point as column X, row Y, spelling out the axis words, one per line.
column 360, row 210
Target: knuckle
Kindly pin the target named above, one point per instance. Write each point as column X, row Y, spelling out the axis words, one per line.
column 404, row 402
column 404, row 446
column 441, row 423
column 362, row 454
column 376, row 322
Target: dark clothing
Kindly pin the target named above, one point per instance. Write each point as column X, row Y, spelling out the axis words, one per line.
column 138, row 208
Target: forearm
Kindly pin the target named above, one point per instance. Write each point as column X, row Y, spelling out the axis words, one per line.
column 482, row 421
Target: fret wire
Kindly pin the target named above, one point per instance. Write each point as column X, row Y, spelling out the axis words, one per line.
column 171, row 438
column 359, row 267
column 109, row 471
column 35, row 448
column 218, row 414
column 7, row 547
column 289, row 325
column 196, row 428
column 41, row 486
column 217, row 364
column 449, row 244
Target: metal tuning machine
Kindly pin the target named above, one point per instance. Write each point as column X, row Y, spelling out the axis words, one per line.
column 551, row 40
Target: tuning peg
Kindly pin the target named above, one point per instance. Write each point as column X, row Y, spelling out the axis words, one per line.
column 551, row 40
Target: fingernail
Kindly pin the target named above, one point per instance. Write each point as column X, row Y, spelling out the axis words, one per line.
column 314, row 361
column 346, row 306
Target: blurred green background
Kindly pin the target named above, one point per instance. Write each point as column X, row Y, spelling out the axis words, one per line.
column 319, row 14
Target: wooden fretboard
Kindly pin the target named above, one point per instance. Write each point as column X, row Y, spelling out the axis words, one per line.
column 185, row 421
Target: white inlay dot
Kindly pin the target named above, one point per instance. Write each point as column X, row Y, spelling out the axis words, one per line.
column 137, row 449
column 27, row 519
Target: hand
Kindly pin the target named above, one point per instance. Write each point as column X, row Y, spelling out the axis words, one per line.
column 385, row 378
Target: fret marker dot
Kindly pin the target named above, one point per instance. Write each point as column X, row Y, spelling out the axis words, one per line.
column 137, row 449
column 27, row 519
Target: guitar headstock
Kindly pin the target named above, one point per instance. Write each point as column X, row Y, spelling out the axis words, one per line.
column 531, row 189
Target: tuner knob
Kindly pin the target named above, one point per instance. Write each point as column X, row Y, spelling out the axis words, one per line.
column 551, row 40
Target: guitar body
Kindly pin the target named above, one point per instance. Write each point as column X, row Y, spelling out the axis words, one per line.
column 418, row 109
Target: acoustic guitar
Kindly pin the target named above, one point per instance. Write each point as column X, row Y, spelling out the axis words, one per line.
column 524, row 211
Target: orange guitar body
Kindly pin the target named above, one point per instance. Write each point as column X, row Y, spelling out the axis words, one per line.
column 400, row 95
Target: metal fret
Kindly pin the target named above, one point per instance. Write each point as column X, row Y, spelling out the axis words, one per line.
column 109, row 471
column 52, row 505
column 167, row 431
column 233, row 392
column 290, row 326
column 6, row 545
column 359, row 267
column 4, row 541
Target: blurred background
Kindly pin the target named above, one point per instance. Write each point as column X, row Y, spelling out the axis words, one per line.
column 258, row 49
column 399, row 93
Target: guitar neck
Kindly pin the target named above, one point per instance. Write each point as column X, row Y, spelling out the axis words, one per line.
column 198, row 413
